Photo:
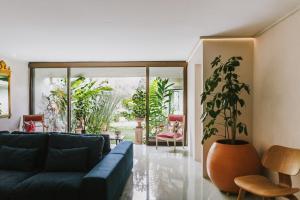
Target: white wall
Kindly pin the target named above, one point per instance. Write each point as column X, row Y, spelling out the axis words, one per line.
column 276, row 111
column 195, row 81
column 19, row 93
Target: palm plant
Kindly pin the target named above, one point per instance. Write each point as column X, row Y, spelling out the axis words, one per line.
column 104, row 107
column 159, row 99
column 160, row 92
column 222, row 99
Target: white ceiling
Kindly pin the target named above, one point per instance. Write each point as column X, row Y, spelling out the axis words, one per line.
column 116, row 30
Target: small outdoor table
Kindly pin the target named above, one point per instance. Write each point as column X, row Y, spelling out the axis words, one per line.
column 118, row 139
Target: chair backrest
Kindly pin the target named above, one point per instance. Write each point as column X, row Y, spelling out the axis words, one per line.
column 282, row 159
column 178, row 118
column 174, row 118
column 34, row 118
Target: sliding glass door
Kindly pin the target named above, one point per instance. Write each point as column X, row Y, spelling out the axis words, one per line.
column 166, row 96
column 102, row 99
column 108, row 99
column 50, row 97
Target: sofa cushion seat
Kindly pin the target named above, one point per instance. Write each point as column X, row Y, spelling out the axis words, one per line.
column 9, row 179
column 50, row 186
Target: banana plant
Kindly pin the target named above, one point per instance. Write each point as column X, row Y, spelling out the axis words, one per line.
column 84, row 91
column 83, row 94
column 160, row 95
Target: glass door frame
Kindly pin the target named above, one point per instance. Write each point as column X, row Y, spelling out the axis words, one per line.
column 143, row 64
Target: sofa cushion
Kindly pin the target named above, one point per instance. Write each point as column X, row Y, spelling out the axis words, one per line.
column 8, row 181
column 106, row 147
column 74, row 159
column 1, row 132
column 93, row 143
column 38, row 141
column 13, row 158
column 50, row 186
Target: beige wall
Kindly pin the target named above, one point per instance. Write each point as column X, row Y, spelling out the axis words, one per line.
column 228, row 48
column 19, row 93
column 276, row 111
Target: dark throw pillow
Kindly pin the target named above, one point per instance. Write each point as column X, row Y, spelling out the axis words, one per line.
column 74, row 159
column 23, row 159
column 69, row 141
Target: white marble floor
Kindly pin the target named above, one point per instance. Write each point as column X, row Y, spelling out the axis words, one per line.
column 162, row 175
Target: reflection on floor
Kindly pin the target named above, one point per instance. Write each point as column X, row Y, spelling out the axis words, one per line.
column 162, row 174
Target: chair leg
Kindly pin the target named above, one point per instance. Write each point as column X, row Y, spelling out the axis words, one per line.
column 182, row 144
column 156, row 143
column 241, row 195
column 168, row 143
column 174, row 145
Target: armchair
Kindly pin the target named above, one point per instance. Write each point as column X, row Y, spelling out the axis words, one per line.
column 174, row 131
column 35, row 119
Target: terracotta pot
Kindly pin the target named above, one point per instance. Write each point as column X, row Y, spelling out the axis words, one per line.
column 226, row 161
column 138, row 135
column 139, row 122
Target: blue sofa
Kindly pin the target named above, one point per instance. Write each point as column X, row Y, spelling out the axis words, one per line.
column 65, row 167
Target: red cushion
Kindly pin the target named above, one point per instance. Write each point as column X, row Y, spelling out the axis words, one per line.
column 169, row 135
column 29, row 126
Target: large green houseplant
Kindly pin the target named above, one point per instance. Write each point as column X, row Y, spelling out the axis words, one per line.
column 223, row 103
column 222, row 99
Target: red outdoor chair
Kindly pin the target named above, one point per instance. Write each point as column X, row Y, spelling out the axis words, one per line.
column 173, row 132
column 34, row 121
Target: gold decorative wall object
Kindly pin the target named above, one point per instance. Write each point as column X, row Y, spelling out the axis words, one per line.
column 5, row 98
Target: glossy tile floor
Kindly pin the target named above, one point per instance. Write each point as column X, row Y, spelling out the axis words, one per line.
column 162, row 174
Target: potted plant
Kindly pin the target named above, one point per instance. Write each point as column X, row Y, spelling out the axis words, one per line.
column 222, row 100
column 139, row 106
column 136, row 109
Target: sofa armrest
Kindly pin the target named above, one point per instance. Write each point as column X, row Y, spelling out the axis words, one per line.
column 124, row 148
column 104, row 180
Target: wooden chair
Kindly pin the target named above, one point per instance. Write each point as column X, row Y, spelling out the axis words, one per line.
column 36, row 119
column 285, row 161
column 169, row 135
